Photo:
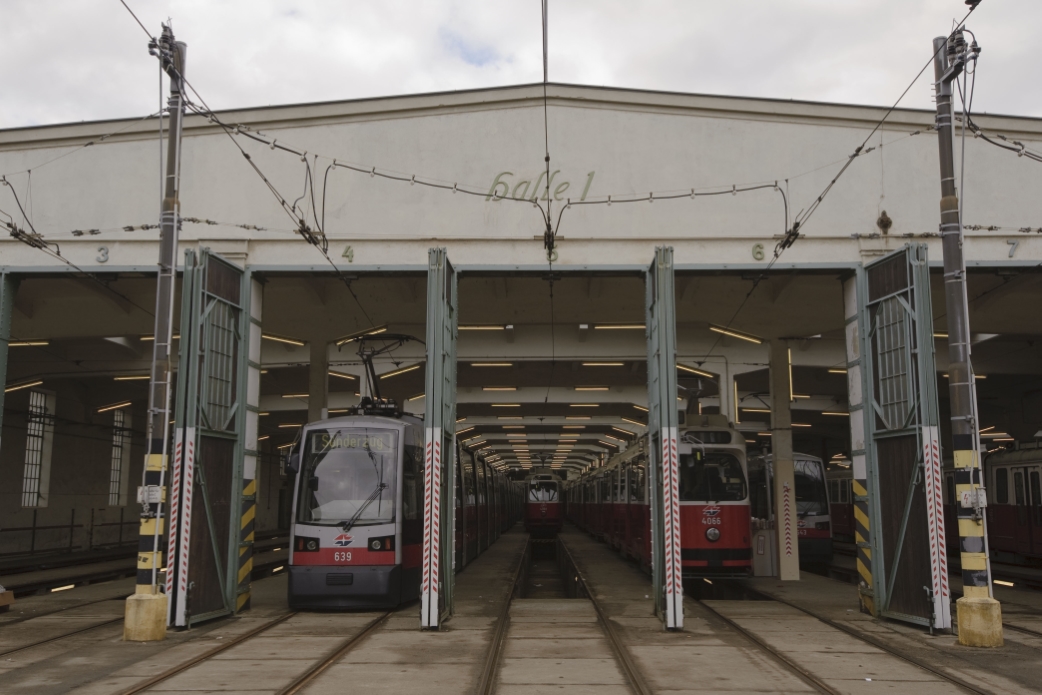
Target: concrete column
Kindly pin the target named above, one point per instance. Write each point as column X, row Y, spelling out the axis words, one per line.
column 318, row 380
column 781, row 447
column 8, row 289
column 728, row 405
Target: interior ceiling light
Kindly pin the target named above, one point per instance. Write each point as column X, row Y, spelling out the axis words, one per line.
column 294, row 395
column 499, row 388
column 506, row 405
column 510, row 417
column 338, row 410
column 640, row 407
column 459, row 432
column 517, row 436
column 567, row 441
column 491, row 364
column 280, row 339
column 574, row 427
column 634, row 422
column 591, row 388
column 736, row 334
column 940, row 335
column 763, row 434
column 837, row 370
column 692, row 370
column 175, row 337
column 799, row 395
column 461, row 419
column 343, row 376
column 114, row 406
column 139, row 377
column 975, row 376
column 287, row 425
column 603, row 364
column 619, row 429
column 513, row 427
column 29, row 343
column 800, row 424
column 417, row 397
column 619, row 326
column 607, row 443
column 584, row 405
column 836, row 413
column 577, row 417
column 482, row 328
column 989, row 427
column 756, row 410
column 351, row 337
column 614, row 439
column 403, row 370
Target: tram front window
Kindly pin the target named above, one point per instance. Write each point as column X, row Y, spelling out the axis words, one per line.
column 712, row 476
column 811, row 497
column 349, row 477
column 542, row 491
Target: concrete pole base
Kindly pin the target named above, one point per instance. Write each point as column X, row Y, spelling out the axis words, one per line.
column 145, row 618
column 980, row 622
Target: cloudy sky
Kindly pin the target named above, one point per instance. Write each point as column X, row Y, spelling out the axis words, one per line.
column 73, row 60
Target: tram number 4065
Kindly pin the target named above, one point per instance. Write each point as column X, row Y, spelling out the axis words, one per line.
column 341, row 557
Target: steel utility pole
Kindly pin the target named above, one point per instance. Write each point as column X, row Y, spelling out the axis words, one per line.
column 146, row 611
column 979, row 615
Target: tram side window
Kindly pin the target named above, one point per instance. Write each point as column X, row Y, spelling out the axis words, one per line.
column 412, row 481
column 1002, row 486
column 1018, row 487
column 949, row 490
column 469, row 493
column 634, row 484
column 1036, row 489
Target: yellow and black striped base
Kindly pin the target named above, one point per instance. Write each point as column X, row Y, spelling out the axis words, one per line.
column 151, row 532
column 862, row 538
column 246, row 538
column 971, row 530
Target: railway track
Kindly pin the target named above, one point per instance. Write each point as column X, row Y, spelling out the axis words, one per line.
column 298, row 684
column 57, row 638
column 889, row 649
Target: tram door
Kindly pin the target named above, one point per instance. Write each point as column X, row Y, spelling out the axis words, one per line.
column 1027, row 494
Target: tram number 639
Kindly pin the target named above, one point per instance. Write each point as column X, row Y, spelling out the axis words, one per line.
column 341, row 557
column 711, row 520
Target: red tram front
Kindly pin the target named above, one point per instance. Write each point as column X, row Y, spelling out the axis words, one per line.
column 714, row 501
column 543, row 509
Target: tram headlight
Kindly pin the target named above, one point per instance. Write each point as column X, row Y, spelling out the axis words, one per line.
column 311, row 544
column 381, row 543
column 713, row 534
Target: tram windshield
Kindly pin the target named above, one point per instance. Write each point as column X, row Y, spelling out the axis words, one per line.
column 542, row 491
column 349, row 476
column 811, row 496
column 711, row 476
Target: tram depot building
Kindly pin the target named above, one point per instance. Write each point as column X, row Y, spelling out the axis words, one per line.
column 540, row 345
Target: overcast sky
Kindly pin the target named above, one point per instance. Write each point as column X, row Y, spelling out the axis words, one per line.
column 73, row 60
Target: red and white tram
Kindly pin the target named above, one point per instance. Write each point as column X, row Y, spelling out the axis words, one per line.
column 357, row 530
column 543, row 505
column 612, row 502
column 813, row 514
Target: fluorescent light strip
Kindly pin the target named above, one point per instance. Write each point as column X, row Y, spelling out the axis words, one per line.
column 499, row 388
column 491, row 364
column 735, row 334
column 619, row 327
column 591, row 388
column 584, row 405
column 279, row 339
column 350, row 338
column 400, row 371
column 756, row 410
column 619, row 429
column 418, row 397
column 837, row 371
column 634, row 422
column 289, row 425
column 114, row 406
column 29, row 343
column 343, row 376
column 692, row 370
column 836, row 413
column 142, row 377
column 603, row 364
column 26, row 385
column 640, row 407
column 294, row 395
column 481, row 328
column 577, row 417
